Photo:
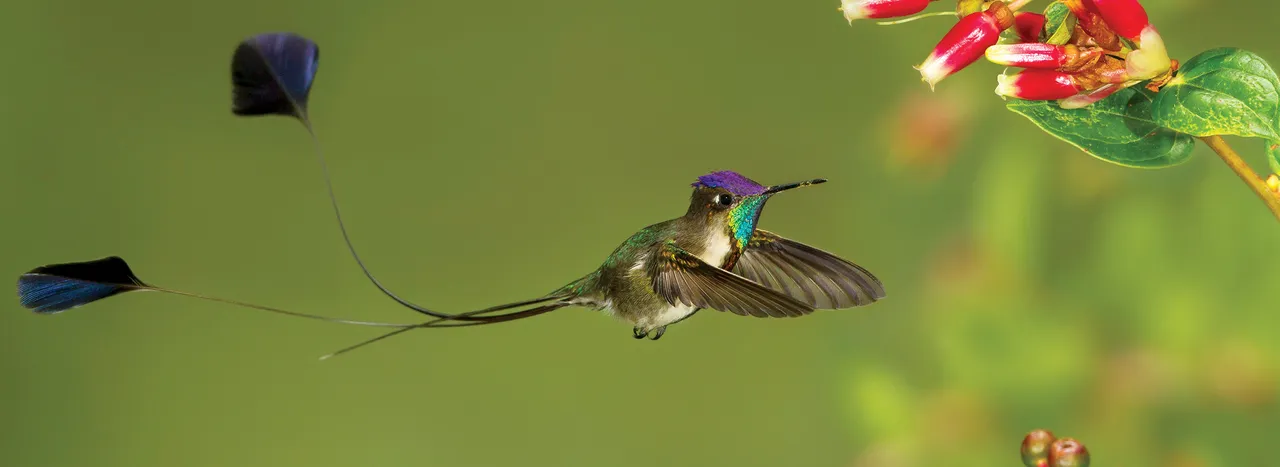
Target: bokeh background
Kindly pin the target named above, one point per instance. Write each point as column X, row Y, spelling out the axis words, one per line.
column 489, row 152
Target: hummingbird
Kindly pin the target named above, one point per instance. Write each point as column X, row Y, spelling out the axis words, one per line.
column 714, row 257
column 711, row 257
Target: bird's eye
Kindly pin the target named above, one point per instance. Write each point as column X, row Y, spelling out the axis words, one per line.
column 724, row 200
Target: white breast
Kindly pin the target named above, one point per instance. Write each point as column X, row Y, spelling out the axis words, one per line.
column 717, row 249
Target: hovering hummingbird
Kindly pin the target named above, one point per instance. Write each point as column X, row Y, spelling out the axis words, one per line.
column 711, row 257
column 714, row 257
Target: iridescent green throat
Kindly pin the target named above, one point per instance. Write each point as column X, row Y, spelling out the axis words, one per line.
column 743, row 217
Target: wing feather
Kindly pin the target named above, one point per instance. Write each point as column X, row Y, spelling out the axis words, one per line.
column 679, row 277
column 817, row 278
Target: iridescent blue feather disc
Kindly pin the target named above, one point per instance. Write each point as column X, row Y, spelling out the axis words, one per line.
column 272, row 74
column 60, row 287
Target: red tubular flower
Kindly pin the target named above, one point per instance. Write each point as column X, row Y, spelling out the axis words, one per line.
column 1028, row 55
column 1126, row 17
column 859, row 9
column 1068, row 58
column 1083, row 9
column 1038, row 85
column 965, row 42
column 1029, row 26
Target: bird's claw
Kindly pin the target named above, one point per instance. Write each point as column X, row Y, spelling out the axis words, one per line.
column 653, row 335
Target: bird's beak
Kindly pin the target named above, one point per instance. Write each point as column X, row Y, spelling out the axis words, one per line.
column 788, row 186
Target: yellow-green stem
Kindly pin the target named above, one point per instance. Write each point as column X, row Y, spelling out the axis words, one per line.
column 1246, row 173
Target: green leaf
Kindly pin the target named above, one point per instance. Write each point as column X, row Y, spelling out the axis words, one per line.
column 1224, row 91
column 1118, row 129
column 1058, row 25
column 1273, row 156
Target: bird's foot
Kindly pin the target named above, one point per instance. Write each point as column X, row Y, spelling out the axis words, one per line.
column 653, row 335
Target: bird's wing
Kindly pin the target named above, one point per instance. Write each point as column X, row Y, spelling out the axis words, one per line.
column 820, row 279
column 679, row 277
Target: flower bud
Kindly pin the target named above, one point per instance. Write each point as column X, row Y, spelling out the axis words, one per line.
column 1029, row 26
column 860, row 9
column 1035, row 448
column 1149, row 61
column 965, row 43
column 1038, row 85
column 1028, row 55
column 1126, row 17
column 1273, row 182
column 1068, row 452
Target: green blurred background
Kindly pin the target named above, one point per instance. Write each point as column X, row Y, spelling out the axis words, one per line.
column 487, row 152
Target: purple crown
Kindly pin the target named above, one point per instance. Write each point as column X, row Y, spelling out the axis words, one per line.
column 732, row 181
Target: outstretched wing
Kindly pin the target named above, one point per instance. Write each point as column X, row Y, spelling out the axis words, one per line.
column 679, row 277
column 820, row 279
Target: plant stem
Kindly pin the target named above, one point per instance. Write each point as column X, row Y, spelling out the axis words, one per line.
column 1246, row 173
column 916, row 17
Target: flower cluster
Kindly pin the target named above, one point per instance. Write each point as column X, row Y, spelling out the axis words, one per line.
column 1112, row 45
column 1041, row 449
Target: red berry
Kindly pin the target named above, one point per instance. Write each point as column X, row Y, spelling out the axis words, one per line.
column 1068, row 452
column 1035, row 448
